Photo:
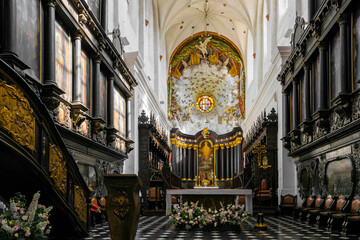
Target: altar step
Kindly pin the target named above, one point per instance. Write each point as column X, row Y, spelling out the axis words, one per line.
column 154, row 213
column 269, row 210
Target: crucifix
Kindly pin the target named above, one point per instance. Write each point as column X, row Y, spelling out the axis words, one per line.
column 260, row 150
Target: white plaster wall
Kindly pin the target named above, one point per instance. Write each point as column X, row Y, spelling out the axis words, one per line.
column 142, row 56
column 264, row 91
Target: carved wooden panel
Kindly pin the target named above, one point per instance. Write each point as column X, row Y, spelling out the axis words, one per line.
column 16, row 115
column 80, row 203
column 57, row 168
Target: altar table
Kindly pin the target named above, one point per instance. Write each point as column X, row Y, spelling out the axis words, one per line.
column 204, row 191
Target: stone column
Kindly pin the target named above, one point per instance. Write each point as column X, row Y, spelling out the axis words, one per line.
column 176, row 160
column 222, row 163
column 344, row 73
column 96, row 89
column 104, row 11
column 237, row 159
column 181, row 162
column 9, row 45
column 189, row 163
column 49, row 40
column 232, row 159
column 173, row 157
column 216, row 147
column 227, row 162
column 307, row 95
column 195, row 161
column 322, row 83
column 295, row 99
column 111, row 89
column 77, row 67
column 184, row 163
column 311, row 9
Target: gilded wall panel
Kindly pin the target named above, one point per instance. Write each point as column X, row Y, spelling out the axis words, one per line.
column 16, row 115
column 57, row 168
column 80, row 203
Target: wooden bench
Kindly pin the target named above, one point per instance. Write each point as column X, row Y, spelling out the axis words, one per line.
column 324, row 216
column 308, row 203
column 327, row 206
column 319, row 201
column 352, row 223
column 337, row 220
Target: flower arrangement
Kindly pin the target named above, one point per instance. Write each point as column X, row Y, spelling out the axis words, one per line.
column 192, row 217
column 20, row 222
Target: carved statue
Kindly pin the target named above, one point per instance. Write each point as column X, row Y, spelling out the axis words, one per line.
column 214, row 57
column 226, row 62
column 184, row 63
column 202, row 46
column 195, row 58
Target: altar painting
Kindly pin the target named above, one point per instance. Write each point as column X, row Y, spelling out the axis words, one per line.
column 206, row 164
column 338, row 176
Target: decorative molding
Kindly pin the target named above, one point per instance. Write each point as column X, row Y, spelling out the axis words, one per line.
column 321, row 124
column 121, row 204
column 98, row 130
column 57, row 168
column 261, row 123
column 16, row 115
column 356, row 107
column 356, row 155
column 63, row 115
column 298, row 31
column 159, row 133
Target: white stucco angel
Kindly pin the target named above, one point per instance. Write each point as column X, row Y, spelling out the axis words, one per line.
column 202, row 46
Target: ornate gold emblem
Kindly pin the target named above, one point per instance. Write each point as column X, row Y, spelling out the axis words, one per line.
column 80, row 203
column 205, row 133
column 121, row 204
column 16, row 115
column 57, row 168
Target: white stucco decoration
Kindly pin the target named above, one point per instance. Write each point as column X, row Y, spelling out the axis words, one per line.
column 212, row 80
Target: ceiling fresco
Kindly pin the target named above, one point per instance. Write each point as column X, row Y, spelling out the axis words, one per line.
column 206, row 84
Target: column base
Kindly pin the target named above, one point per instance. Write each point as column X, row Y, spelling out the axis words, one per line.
column 260, row 225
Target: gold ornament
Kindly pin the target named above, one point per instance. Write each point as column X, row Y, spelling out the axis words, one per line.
column 57, row 168
column 80, row 204
column 121, row 204
column 16, row 115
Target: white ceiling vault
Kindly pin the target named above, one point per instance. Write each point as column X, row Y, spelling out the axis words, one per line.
column 206, row 45
column 180, row 19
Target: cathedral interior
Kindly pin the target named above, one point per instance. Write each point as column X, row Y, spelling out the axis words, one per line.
column 118, row 113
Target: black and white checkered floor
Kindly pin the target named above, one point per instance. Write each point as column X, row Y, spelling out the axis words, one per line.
column 278, row 228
